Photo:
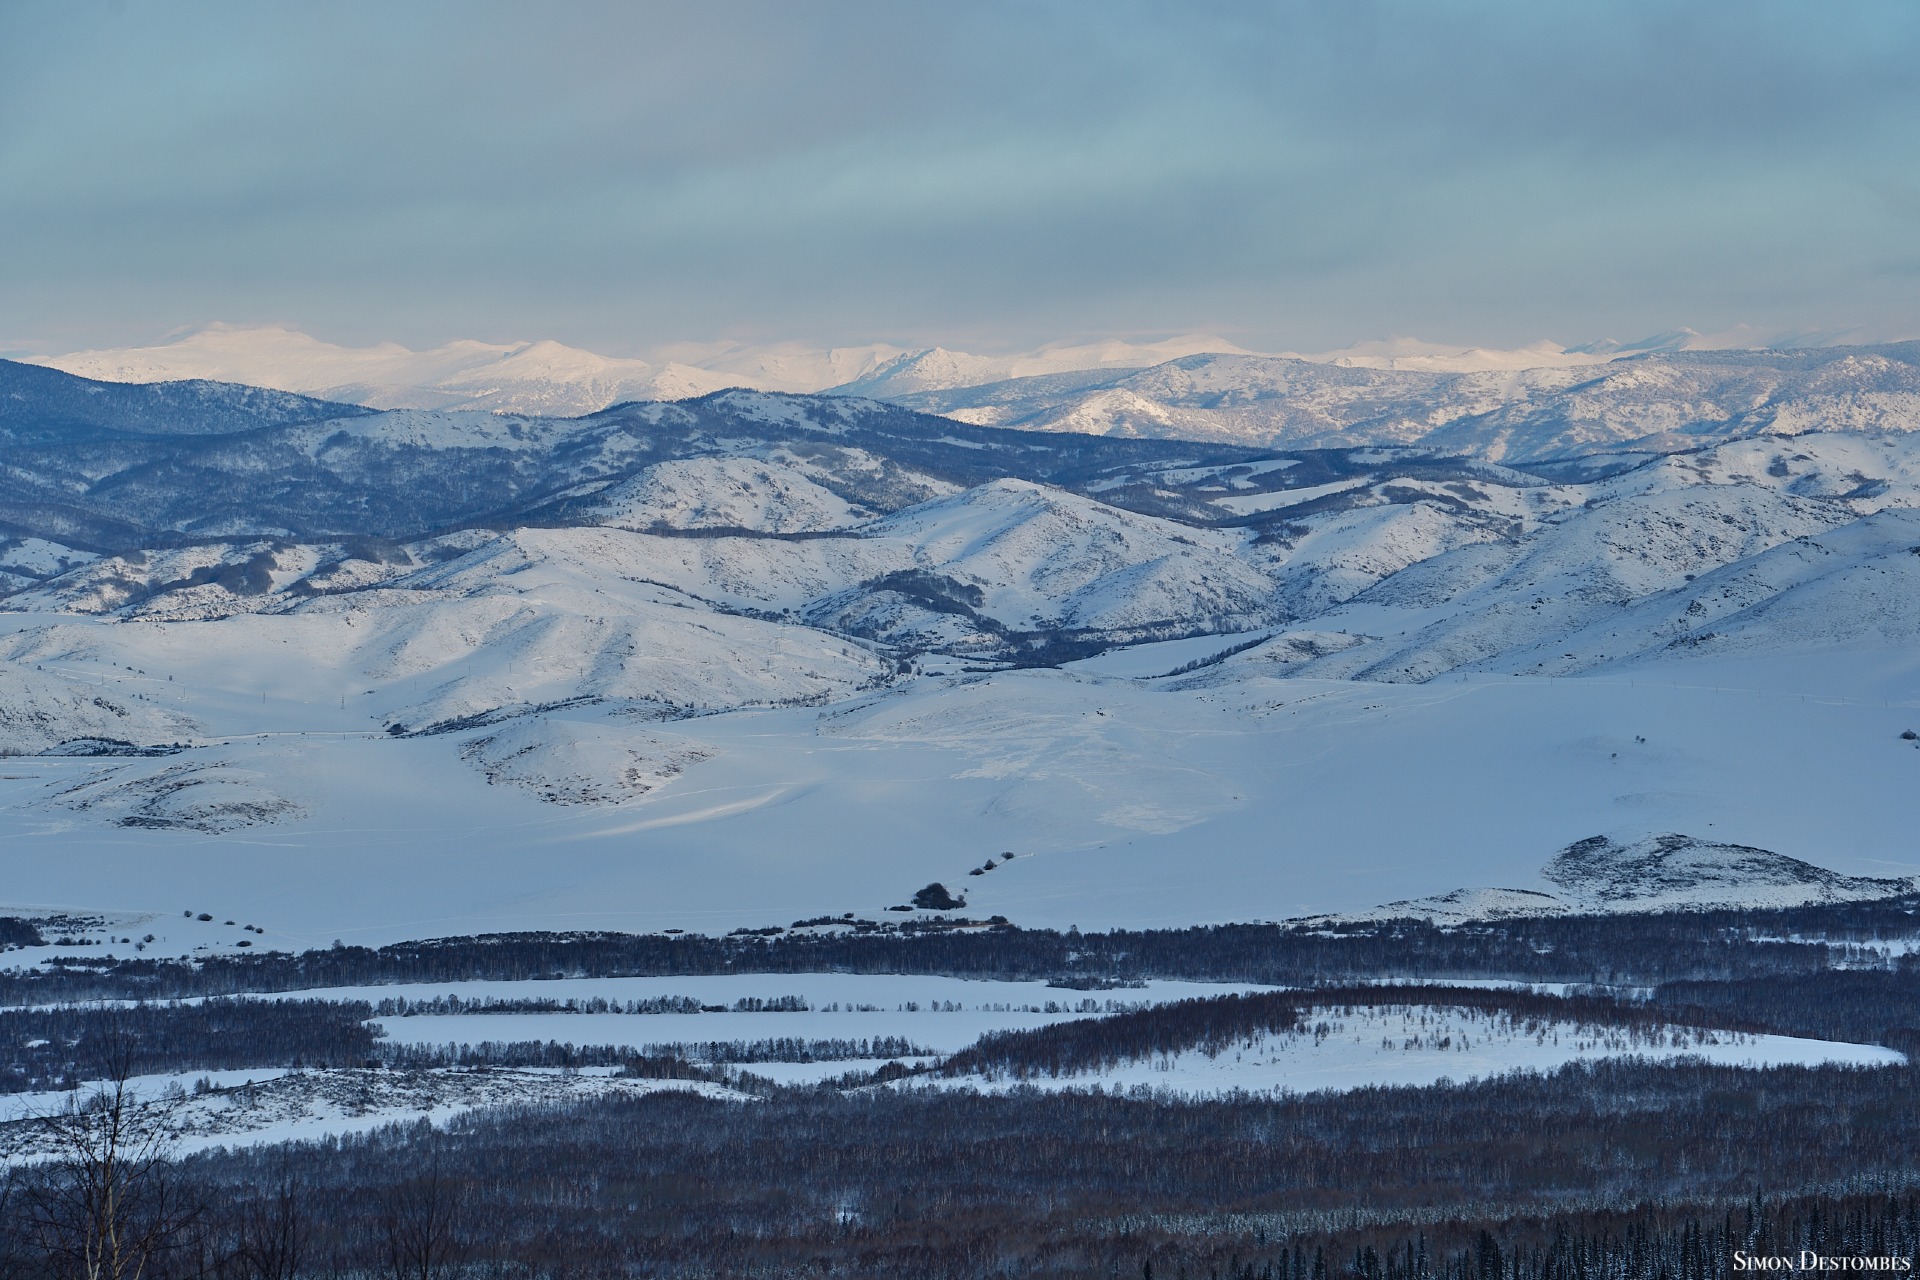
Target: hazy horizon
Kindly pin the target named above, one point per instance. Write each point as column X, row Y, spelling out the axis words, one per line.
column 696, row 351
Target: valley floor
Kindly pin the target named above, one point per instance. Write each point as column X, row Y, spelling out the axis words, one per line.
column 1127, row 802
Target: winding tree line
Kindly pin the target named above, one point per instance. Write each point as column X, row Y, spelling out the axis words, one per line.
column 401, row 1007
column 792, row 1049
column 1212, row 1024
column 52, row 1048
column 60, row 1048
column 1644, row 950
column 1848, row 1004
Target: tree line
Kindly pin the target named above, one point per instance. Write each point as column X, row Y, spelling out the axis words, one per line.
column 1612, row 1169
column 1213, row 1024
column 1645, row 950
column 54, row 1047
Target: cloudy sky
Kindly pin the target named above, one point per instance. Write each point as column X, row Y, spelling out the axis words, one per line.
column 986, row 175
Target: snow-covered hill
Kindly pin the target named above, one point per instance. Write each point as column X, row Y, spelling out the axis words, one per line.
column 1749, row 546
column 1666, row 872
column 42, row 712
column 725, row 493
column 1661, row 401
column 95, row 465
column 753, row 657
column 1675, row 870
column 938, row 369
column 1036, row 559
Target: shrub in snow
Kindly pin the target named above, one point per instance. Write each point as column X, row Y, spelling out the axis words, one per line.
column 936, row 898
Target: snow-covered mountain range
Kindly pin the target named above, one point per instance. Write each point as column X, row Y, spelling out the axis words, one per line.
column 1661, row 402
column 546, row 377
column 753, row 656
column 521, row 377
column 1664, row 394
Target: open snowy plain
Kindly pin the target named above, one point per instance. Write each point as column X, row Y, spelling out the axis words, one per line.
column 1125, row 801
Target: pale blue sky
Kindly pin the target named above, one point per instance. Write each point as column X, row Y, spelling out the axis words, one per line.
column 987, row 175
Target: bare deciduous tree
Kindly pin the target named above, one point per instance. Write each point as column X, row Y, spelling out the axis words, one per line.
column 273, row 1236
column 102, row 1204
column 420, row 1223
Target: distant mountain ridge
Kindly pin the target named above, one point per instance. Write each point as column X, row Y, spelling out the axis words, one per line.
column 45, row 405
column 546, row 377
column 108, row 465
column 926, row 534
column 549, row 378
column 1659, row 402
column 1665, row 394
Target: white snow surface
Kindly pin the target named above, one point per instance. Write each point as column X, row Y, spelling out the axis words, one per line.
column 725, row 493
column 45, row 709
column 1662, row 403
column 1667, row 872
column 940, row 1014
column 632, row 730
column 1046, row 557
column 1332, row 1048
column 522, row 377
column 548, row 377
column 263, row 1107
column 1128, row 804
column 1351, row 1048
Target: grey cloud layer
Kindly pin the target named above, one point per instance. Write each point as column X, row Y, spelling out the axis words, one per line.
column 616, row 174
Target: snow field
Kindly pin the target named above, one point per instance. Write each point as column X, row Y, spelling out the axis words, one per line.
column 257, row 1108
column 1339, row 1049
column 1284, row 781
column 1127, row 805
column 940, row 1014
column 1331, row 1049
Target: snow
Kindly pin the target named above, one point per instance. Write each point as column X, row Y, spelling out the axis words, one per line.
column 1661, row 401
column 45, row 709
column 15, row 1107
column 940, row 1014
column 209, row 796
column 253, row 1108
column 1238, row 475
column 1667, row 872
column 1253, row 798
column 1537, row 400
column 1332, row 1048
column 1246, row 504
column 1157, row 658
column 725, row 493
column 938, row 368
column 536, row 377
column 646, row 731
column 39, row 558
column 1341, row 1049
column 548, row 377
column 1045, row 556
column 572, row 763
